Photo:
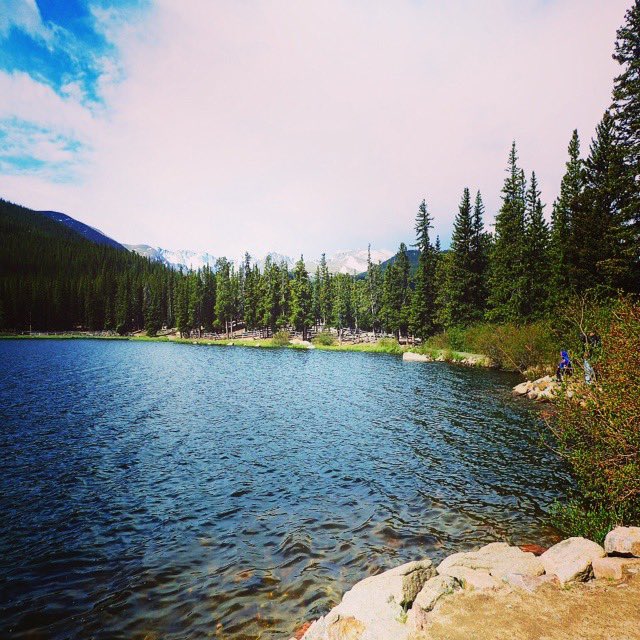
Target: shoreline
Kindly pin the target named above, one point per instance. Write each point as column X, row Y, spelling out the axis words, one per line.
column 511, row 588
column 408, row 353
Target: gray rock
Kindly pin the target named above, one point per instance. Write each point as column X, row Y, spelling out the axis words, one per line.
column 433, row 590
column 615, row 568
column 571, row 559
column 375, row 608
column 498, row 559
column 528, row 583
column 472, row 579
column 623, row 541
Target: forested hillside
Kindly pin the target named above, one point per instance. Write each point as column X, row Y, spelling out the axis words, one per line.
column 51, row 277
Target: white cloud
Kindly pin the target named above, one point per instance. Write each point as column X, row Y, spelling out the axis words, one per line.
column 311, row 126
column 24, row 15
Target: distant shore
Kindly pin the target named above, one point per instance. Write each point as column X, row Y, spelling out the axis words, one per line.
column 413, row 353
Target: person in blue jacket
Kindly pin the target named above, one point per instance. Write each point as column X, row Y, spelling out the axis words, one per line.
column 565, row 367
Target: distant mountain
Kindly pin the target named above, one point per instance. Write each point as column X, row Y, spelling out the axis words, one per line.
column 90, row 233
column 352, row 262
column 412, row 254
column 181, row 258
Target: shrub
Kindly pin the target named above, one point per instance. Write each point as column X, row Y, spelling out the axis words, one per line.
column 514, row 347
column 280, row 338
column 324, row 339
column 597, row 431
column 389, row 345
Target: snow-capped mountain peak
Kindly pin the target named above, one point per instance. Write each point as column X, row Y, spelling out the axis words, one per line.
column 347, row 261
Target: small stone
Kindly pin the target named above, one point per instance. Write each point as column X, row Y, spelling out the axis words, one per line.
column 615, row 568
column 433, row 590
column 623, row 541
column 571, row 559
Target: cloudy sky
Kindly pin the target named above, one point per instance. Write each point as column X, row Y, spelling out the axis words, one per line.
column 291, row 126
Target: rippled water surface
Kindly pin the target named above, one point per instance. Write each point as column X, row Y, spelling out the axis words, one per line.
column 156, row 490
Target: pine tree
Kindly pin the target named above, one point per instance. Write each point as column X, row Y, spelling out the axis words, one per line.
column 456, row 295
column 565, row 209
column 301, row 302
column 536, row 258
column 506, row 266
column 480, row 247
column 423, row 309
column 396, row 296
column 374, row 291
column 324, row 291
column 626, row 112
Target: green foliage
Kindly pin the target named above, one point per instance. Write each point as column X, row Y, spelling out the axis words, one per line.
column 324, row 339
column 596, row 429
column 574, row 519
column 389, row 345
column 280, row 338
column 508, row 346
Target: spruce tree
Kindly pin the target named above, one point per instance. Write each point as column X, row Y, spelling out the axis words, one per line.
column 396, row 296
column 537, row 266
column 423, row 309
column 456, row 296
column 506, row 273
column 301, row 300
column 480, row 246
column 565, row 209
column 374, row 291
column 626, row 112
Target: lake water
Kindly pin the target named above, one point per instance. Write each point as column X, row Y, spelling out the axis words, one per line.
column 155, row 490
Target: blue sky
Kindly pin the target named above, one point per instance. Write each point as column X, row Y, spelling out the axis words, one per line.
column 295, row 127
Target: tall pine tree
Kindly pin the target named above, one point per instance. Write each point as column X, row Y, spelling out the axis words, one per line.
column 423, row 305
column 507, row 269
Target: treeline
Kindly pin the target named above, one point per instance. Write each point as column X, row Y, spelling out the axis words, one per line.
column 51, row 279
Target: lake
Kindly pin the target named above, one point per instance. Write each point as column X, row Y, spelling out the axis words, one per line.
column 154, row 490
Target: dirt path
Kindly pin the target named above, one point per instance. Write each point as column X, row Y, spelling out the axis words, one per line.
column 596, row 610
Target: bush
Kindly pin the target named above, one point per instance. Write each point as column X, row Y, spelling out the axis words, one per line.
column 509, row 346
column 324, row 339
column 389, row 345
column 598, row 431
column 514, row 347
column 280, row 338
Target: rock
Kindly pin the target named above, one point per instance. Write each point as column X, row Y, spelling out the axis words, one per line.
column 528, row 583
column 472, row 579
column 541, row 389
column 522, row 389
column 375, row 608
column 615, row 568
column 498, row 559
column 571, row 559
column 623, row 541
column 410, row 356
column 536, row 549
column 433, row 590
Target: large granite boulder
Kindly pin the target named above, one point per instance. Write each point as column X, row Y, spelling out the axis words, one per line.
column 615, row 568
column 433, row 590
column 376, row 607
column 571, row 560
column 498, row 559
column 623, row 541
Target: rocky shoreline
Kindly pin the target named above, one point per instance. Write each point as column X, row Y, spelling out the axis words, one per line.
column 405, row 602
